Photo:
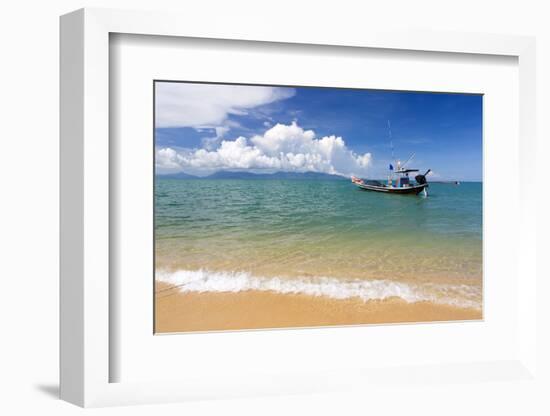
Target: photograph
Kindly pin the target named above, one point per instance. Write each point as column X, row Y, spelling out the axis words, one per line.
column 279, row 206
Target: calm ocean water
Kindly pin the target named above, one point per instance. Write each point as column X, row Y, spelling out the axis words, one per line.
column 320, row 237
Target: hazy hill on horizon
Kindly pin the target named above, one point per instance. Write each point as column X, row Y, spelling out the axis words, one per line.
column 222, row 174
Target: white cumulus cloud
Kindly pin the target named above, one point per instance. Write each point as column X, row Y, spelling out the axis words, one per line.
column 287, row 148
column 209, row 105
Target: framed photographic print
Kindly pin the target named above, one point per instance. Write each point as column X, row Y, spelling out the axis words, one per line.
column 262, row 219
column 286, row 213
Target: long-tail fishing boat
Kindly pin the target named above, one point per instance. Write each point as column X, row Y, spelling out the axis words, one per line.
column 401, row 185
column 398, row 180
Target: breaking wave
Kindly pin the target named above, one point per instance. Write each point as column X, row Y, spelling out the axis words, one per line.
column 460, row 295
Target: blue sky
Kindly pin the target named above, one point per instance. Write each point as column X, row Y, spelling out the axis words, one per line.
column 201, row 128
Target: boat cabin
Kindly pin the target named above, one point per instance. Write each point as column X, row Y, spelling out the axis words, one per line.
column 403, row 180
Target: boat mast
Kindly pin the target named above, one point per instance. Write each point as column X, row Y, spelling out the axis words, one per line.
column 390, row 176
column 391, row 142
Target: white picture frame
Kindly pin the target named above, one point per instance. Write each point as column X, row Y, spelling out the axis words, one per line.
column 85, row 212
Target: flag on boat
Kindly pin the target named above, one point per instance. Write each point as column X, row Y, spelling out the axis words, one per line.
column 391, row 166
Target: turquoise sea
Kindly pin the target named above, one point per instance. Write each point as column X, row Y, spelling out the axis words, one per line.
column 320, row 237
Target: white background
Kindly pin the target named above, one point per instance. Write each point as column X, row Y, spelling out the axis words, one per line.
column 29, row 189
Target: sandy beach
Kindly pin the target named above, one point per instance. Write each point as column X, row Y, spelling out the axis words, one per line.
column 193, row 311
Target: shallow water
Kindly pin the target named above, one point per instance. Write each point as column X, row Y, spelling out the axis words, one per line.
column 312, row 232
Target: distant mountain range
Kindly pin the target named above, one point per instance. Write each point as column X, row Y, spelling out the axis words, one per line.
column 179, row 175
column 222, row 174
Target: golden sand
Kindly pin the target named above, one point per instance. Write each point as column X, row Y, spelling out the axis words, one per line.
column 181, row 312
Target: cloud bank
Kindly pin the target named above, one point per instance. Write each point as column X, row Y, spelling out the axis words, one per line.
column 209, row 105
column 282, row 147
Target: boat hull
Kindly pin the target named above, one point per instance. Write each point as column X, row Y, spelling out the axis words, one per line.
column 416, row 189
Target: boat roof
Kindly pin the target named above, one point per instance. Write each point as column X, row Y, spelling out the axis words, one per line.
column 406, row 170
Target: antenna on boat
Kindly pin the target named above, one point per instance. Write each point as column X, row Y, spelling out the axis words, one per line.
column 408, row 160
column 390, row 176
column 391, row 141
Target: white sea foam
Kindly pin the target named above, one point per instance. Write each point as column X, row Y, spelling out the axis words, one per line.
column 208, row 281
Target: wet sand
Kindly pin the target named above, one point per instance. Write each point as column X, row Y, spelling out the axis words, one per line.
column 208, row 311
